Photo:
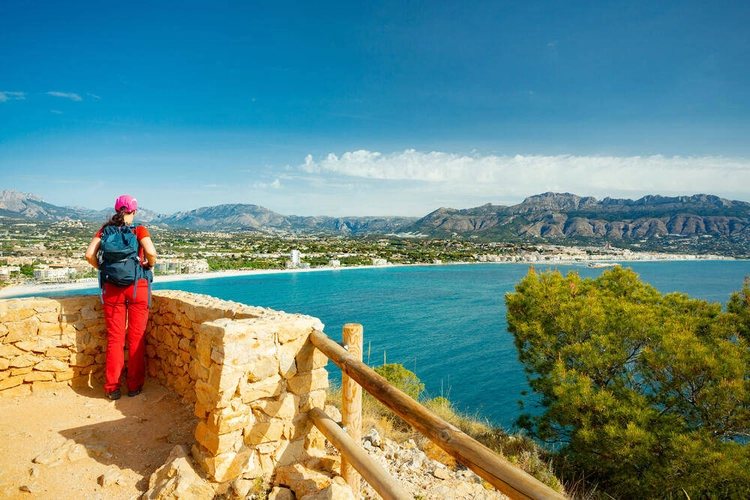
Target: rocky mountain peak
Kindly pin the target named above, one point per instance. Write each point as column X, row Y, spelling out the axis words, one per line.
column 554, row 202
column 16, row 201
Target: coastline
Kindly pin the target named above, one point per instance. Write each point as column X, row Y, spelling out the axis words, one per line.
column 27, row 289
column 30, row 288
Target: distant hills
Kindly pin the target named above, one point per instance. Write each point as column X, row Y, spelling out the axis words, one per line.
column 550, row 216
column 564, row 215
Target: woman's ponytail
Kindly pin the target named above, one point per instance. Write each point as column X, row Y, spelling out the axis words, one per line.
column 116, row 220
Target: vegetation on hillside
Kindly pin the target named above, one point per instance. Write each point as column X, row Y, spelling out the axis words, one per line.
column 643, row 394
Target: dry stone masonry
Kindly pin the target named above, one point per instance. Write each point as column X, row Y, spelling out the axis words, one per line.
column 251, row 374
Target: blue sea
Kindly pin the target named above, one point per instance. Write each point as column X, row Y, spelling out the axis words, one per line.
column 445, row 323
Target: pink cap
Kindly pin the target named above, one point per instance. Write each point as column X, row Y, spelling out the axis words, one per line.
column 127, row 202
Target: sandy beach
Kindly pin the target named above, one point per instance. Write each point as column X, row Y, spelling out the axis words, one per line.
column 42, row 288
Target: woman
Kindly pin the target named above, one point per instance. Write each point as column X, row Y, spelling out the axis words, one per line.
column 125, row 307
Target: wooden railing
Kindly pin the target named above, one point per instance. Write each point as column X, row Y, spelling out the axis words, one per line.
column 490, row 466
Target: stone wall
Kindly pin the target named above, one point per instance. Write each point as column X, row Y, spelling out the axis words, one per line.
column 251, row 373
column 50, row 343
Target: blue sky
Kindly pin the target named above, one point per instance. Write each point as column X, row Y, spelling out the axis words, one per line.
column 372, row 108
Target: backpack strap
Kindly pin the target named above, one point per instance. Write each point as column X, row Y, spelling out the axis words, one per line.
column 149, row 279
column 101, row 286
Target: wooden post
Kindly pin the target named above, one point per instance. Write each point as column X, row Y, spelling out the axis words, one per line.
column 351, row 414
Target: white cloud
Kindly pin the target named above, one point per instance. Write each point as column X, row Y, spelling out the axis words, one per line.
column 265, row 185
column 56, row 111
column 71, row 96
column 93, row 95
column 495, row 176
column 12, row 96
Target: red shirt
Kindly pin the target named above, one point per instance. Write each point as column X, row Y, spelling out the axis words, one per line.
column 140, row 233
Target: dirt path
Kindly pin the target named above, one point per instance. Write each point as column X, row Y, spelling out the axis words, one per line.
column 64, row 445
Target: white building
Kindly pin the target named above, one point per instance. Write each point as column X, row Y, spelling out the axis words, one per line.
column 295, row 258
column 46, row 273
column 6, row 271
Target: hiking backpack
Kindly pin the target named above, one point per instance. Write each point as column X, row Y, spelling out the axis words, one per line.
column 119, row 263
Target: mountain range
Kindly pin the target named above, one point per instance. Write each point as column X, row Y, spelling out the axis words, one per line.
column 548, row 216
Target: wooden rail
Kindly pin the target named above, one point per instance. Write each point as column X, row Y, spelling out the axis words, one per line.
column 490, row 466
column 374, row 474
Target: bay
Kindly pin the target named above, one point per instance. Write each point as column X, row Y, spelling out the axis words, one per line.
column 445, row 323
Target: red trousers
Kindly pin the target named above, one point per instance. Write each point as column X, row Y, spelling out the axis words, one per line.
column 123, row 315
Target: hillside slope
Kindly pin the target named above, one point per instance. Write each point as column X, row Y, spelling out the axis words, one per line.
column 547, row 216
column 564, row 215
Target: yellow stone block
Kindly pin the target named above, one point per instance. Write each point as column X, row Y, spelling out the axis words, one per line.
column 57, row 352
column 228, row 466
column 217, row 443
column 198, row 371
column 225, row 420
column 69, row 330
column 264, row 432
column 297, row 325
column 16, row 391
column 67, row 375
column 302, row 480
column 181, row 385
column 54, row 342
column 189, row 333
column 21, row 371
column 26, row 345
column 315, row 441
column 287, row 354
column 309, row 381
column 91, row 312
column 26, row 329
column 284, row 408
column 51, row 365
column 81, row 381
column 185, row 321
column 49, row 317
column 79, row 359
column 224, row 378
column 185, row 344
column 207, row 395
column 16, row 312
column 24, row 360
column 51, row 306
column 291, row 452
column 309, row 358
column 49, row 329
column 9, row 351
column 314, row 399
column 200, row 411
column 88, row 369
column 203, row 350
column 264, row 389
column 11, row 382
